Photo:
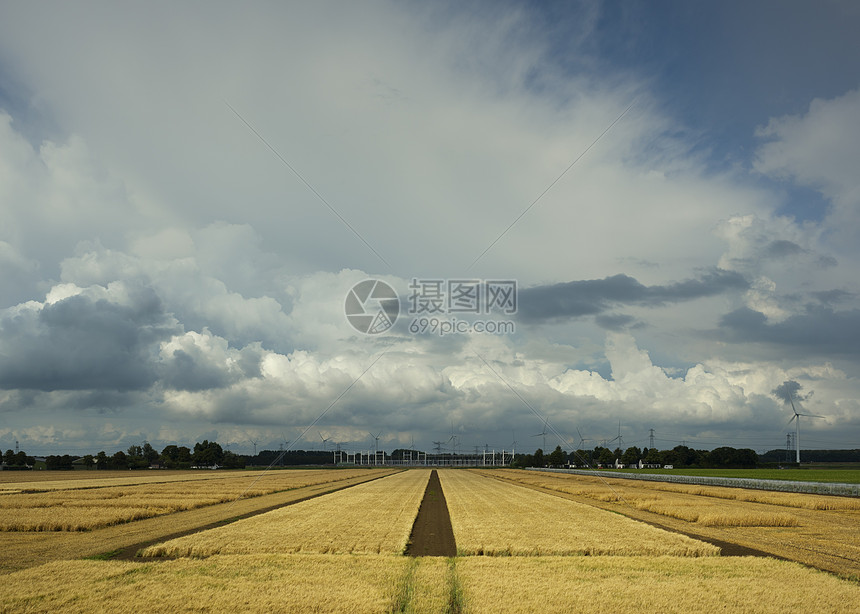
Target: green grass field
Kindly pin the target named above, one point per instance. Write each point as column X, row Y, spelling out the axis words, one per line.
column 844, row 476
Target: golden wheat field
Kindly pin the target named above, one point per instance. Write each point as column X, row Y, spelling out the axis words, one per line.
column 369, row 518
column 86, row 504
column 343, row 552
column 40, row 481
column 497, row 518
column 817, row 530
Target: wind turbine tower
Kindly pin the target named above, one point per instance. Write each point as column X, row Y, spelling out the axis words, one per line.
column 796, row 419
column 542, row 434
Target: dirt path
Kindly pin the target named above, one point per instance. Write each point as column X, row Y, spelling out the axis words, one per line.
column 432, row 534
column 19, row 550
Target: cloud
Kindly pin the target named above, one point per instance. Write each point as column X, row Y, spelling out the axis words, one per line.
column 592, row 297
column 820, row 330
column 83, row 338
column 161, row 267
column 788, row 391
column 818, row 149
column 200, row 361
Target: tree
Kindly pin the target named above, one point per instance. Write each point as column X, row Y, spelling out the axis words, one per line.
column 606, row 457
column 538, row 460
column 556, row 457
column 9, row 458
column 59, row 462
column 582, row 457
column 207, row 454
column 232, row 460
column 730, row 457
column 631, row 455
column 148, row 452
column 89, row 460
column 653, row 457
column 119, row 460
column 102, row 461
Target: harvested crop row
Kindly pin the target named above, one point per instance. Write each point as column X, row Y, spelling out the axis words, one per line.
column 375, row 517
column 710, row 514
column 387, row 583
column 693, row 508
column 73, row 480
column 783, row 499
column 266, row 583
column 113, row 479
column 827, row 539
column 91, row 508
column 633, row 585
column 598, row 488
column 492, row 517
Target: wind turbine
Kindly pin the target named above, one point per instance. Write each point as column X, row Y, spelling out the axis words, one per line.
column 324, row 439
column 543, row 434
column 513, row 444
column 254, row 443
column 796, row 418
column 582, row 439
column 376, row 439
column 618, row 437
column 452, row 440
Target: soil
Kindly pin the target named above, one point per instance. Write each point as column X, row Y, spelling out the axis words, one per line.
column 432, row 534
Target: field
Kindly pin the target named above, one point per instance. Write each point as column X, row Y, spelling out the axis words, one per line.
column 843, row 476
column 321, row 525
column 817, row 530
column 496, row 518
column 88, row 503
column 521, row 547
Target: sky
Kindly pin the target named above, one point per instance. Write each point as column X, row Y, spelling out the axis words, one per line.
column 190, row 191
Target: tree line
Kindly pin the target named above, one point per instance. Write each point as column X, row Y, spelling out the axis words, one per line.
column 679, row 456
column 204, row 454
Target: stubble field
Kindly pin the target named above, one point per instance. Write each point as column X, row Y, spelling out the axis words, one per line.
column 521, row 547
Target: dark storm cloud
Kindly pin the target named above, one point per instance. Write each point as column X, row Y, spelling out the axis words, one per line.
column 829, row 297
column 782, row 249
column 185, row 372
column 81, row 343
column 193, row 372
column 820, row 330
column 788, row 391
column 614, row 321
column 592, row 297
